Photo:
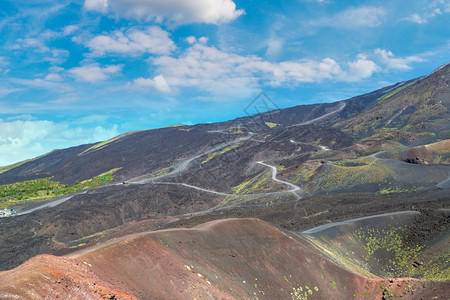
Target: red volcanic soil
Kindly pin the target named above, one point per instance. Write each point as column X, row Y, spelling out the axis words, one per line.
column 224, row 259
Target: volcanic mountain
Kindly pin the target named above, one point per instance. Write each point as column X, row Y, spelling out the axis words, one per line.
column 295, row 168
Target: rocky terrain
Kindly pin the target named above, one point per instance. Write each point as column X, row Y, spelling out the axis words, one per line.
column 295, row 169
column 226, row 259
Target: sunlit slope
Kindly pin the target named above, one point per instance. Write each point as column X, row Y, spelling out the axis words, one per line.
column 225, row 259
column 411, row 113
column 389, row 171
column 405, row 244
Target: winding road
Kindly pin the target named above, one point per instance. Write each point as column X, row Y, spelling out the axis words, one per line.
column 185, row 164
column 334, row 224
column 274, row 178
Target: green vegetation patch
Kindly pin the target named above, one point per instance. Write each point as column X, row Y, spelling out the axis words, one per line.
column 10, row 167
column 391, row 190
column 252, row 185
column 163, row 171
column 388, row 239
column 103, row 144
column 271, row 125
column 214, row 154
column 332, row 177
column 396, row 91
column 174, row 125
column 437, row 269
column 45, row 188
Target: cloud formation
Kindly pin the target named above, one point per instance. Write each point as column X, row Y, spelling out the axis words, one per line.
column 20, row 140
column 396, row 63
column 210, row 69
column 354, row 18
column 158, row 83
column 174, row 11
column 152, row 40
column 93, row 72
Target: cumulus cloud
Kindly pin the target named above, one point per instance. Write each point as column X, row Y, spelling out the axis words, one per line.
column 396, row 63
column 97, row 5
column 210, row 69
column 94, row 72
column 152, row 40
column 365, row 16
column 20, row 140
column 158, row 83
column 174, row 11
column 359, row 69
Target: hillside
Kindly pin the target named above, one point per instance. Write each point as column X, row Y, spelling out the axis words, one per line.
column 220, row 259
column 414, row 112
column 295, row 168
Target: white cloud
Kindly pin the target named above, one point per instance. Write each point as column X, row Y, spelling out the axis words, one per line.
column 360, row 69
column 153, row 40
column 20, row 140
column 353, row 18
column 209, row 69
column 158, row 83
column 274, row 46
column 53, row 77
column 96, row 5
column 38, row 83
column 401, row 63
column 52, row 55
column 3, row 63
column 191, row 39
column 94, row 72
column 416, row 18
column 6, row 91
column 219, row 73
column 175, row 11
column 69, row 29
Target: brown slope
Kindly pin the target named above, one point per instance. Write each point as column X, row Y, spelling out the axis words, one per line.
column 225, row 259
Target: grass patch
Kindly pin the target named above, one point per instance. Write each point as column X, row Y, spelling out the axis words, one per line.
column 10, row 167
column 174, row 125
column 396, row 91
column 252, row 185
column 389, row 240
column 45, row 188
column 271, row 125
column 103, row 144
column 163, row 171
column 332, row 177
column 214, row 154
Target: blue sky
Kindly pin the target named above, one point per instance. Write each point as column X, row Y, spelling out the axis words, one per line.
column 75, row 72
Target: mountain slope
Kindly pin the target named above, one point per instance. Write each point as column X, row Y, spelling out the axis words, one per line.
column 413, row 113
column 273, row 164
column 221, row 259
column 142, row 152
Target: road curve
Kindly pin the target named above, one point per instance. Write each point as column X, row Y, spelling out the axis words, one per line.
column 274, row 178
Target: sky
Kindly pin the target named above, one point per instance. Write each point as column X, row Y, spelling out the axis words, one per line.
column 83, row 71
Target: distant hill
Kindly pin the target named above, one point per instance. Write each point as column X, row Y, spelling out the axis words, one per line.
column 413, row 112
column 410, row 112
